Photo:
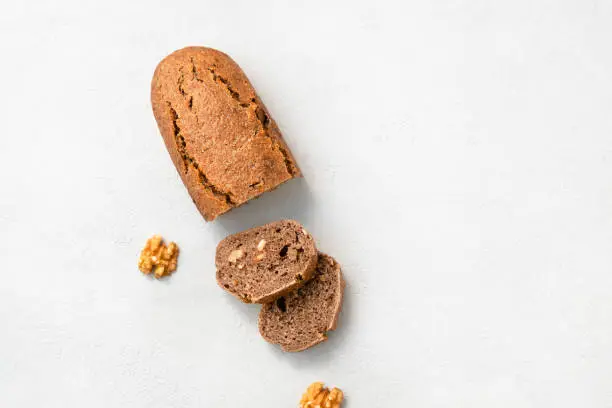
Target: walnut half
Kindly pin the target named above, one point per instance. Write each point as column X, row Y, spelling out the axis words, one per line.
column 158, row 258
column 318, row 396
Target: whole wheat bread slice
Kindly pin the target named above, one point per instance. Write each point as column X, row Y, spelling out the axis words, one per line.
column 263, row 263
column 301, row 319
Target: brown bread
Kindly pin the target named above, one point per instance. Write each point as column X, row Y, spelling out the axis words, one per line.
column 220, row 136
column 263, row 263
column 301, row 319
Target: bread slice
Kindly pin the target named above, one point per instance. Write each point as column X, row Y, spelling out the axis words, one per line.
column 301, row 319
column 263, row 263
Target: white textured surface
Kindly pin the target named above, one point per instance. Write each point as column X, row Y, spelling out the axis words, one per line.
column 458, row 162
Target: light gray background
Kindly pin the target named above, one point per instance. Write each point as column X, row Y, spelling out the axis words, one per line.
column 458, row 163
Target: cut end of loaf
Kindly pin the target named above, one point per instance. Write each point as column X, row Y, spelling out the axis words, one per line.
column 222, row 140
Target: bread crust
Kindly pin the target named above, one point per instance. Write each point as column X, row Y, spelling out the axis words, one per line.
column 220, row 136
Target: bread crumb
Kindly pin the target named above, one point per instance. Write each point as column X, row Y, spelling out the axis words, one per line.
column 259, row 257
column 158, row 258
column 318, row 396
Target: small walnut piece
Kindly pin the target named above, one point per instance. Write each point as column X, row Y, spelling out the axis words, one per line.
column 235, row 255
column 318, row 396
column 157, row 257
column 261, row 245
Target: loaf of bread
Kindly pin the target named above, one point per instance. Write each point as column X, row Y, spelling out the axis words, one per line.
column 263, row 263
column 220, row 136
column 301, row 319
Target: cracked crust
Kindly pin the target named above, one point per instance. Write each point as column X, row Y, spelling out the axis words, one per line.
column 221, row 138
column 301, row 319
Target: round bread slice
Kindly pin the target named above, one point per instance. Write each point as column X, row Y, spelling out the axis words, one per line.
column 263, row 263
column 301, row 319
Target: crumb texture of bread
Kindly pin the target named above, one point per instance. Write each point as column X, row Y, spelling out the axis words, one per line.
column 220, row 136
column 302, row 318
column 263, row 263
